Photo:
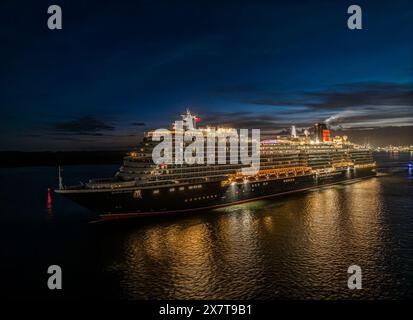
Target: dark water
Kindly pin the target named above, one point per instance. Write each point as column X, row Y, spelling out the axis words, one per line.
column 296, row 247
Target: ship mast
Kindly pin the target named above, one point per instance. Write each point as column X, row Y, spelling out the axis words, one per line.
column 189, row 120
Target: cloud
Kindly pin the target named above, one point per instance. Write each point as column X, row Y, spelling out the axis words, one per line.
column 347, row 95
column 239, row 90
column 353, row 104
column 351, row 107
column 382, row 136
column 138, row 124
column 362, row 94
column 86, row 125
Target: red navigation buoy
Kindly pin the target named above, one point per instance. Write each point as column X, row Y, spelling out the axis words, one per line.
column 49, row 198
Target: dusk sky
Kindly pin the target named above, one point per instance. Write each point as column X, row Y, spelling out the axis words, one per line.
column 119, row 68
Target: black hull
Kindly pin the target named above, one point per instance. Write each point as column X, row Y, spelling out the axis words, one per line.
column 128, row 202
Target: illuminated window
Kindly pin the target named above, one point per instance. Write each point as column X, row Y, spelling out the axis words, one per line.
column 156, row 191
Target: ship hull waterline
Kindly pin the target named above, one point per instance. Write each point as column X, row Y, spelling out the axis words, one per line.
column 140, row 202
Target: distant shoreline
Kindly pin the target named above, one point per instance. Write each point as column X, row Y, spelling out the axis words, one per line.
column 13, row 159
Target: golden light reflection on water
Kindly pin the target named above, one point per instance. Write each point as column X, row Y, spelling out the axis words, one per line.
column 242, row 251
column 343, row 227
column 365, row 208
column 268, row 223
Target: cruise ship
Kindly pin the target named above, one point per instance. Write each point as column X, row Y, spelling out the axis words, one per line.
column 287, row 164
